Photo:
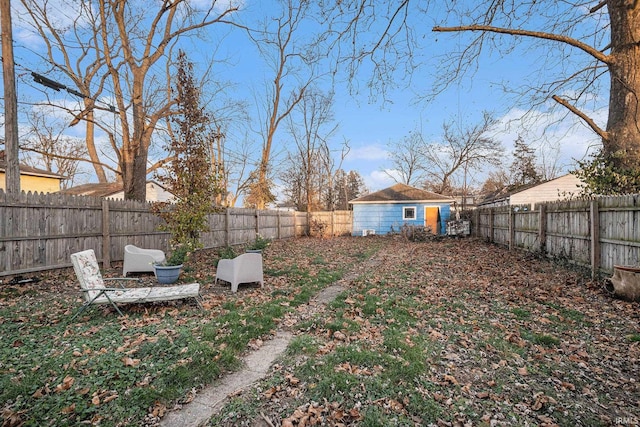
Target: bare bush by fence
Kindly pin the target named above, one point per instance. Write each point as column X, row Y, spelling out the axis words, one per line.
column 596, row 233
column 41, row 231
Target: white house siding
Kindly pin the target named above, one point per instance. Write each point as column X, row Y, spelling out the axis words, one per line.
column 155, row 193
column 561, row 188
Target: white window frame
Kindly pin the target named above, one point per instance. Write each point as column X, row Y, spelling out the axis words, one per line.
column 404, row 213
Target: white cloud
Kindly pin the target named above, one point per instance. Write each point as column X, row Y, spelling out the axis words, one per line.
column 377, row 180
column 550, row 132
column 368, row 152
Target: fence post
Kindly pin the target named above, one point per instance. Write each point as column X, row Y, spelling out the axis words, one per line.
column 106, row 235
column 227, row 228
column 490, row 233
column 595, row 239
column 278, row 232
column 257, row 216
column 542, row 228
column 475, row 226
column 512, row 228
column 333, row 223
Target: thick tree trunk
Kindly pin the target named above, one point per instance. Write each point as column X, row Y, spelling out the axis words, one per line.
column 135, row 173
column 91, row 146
column 622, row 127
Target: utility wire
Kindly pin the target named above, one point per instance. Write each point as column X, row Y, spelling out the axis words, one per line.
column 52, row 84
column 39, row 78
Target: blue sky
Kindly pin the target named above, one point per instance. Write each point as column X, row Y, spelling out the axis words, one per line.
column 371, row 126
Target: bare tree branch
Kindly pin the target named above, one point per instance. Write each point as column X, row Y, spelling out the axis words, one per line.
column 603, row 134
column 534, row 34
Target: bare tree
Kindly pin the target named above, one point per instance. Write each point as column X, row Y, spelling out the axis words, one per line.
column 237, row 170
column 408, row 161
column 380, row 34
column 281, row 43
column 54, row 151
column 310, row 128
column 581, row 48
column 462, row 150
column 332, row 164
column 549, row 160
column 73, row 52
column 123, row 43
column 577, row 39
column 496, row 181
column 348, row 186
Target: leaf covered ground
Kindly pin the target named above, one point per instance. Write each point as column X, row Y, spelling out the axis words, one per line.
column 443, row 332
column 456, row 332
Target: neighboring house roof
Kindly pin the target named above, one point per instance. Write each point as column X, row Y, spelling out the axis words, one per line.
column 28, row 170
column 97, row 190
column 401, row 193
column 109, row 189
column 554, row 189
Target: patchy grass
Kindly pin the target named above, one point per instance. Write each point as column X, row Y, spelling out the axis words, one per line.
column 441, row 340
column 105, row 370
column 443, row 332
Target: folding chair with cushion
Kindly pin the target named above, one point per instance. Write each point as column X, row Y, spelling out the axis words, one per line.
column 93, row 287
column 245, row 268
column 138, row 260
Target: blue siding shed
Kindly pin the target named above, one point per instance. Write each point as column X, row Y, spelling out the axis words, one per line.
column 387, row 210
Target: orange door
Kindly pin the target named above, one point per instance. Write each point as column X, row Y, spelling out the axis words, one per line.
column 432, row 218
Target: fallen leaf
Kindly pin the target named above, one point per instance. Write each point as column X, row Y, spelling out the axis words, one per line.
column 339, row 336
column 130, row 362
column 451, row 379
column 110, row 398
column 69, row 409
column 66, row 384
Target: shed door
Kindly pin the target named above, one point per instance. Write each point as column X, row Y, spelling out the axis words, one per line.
column 432, row 218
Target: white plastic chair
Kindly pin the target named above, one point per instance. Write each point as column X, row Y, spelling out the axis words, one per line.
column 137, row 260
column 93, row 287
column 245, row 268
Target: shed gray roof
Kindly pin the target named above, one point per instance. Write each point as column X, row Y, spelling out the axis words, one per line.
column 400, row 193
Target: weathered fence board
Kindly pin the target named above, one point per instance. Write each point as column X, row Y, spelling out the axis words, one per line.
column 598, row 233
column 40, row 232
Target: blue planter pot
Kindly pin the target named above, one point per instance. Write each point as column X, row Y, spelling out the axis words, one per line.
column 167, row 274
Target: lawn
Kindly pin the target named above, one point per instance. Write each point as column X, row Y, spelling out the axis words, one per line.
column 445, row 332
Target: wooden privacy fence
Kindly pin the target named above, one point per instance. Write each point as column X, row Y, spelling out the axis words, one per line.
column 596, row 233
column 40, row 231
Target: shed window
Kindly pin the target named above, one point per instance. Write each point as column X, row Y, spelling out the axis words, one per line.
column 409, row 212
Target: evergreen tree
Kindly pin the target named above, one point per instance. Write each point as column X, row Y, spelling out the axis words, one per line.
column 523, row 169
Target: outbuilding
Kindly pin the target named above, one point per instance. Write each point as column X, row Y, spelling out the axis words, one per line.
column 386, row 211
column 562, row 188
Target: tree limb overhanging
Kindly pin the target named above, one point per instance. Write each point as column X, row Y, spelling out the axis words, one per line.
column 533, row 34
column 597, row 129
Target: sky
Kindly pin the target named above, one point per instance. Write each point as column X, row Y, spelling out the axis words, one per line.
column 369, row 121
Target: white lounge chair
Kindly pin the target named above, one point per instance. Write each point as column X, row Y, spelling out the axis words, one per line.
column 245, row 268
column 137, row 260
column 93, row 287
